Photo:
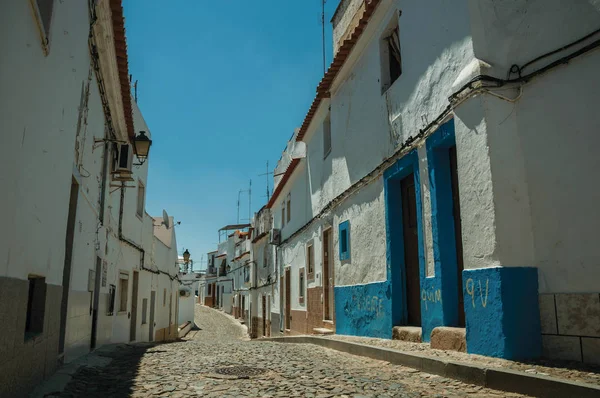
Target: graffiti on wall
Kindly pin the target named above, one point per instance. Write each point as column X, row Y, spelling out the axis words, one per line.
column 471, row 286
column 431, row 296
column 372, row 304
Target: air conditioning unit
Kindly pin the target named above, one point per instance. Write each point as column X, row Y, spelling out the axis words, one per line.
column 123, row 167
column 275, row 236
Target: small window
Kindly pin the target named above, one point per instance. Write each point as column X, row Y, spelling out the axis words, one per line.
column 301, row 286
column 345, row 241
column 391, row 58
column 326, row 137
column 265, row 257
column 36, row 307
column 289, row 207
column 144, row 311
column 140, row 199
column 112, row 289
column 283, row 214
column 123, row 291
column 310, row 260
column 165, row 297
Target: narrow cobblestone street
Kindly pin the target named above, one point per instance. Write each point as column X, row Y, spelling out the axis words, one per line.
column 218, row 361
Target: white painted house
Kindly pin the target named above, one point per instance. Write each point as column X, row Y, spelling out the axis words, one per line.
column 83, row 262
column 439, row 179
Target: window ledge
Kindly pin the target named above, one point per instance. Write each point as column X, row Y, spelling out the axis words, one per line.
column 122, row 313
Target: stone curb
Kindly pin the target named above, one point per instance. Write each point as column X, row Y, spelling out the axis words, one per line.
column 494, row 378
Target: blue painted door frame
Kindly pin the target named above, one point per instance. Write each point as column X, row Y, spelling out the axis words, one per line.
column 443, row 286
column 396, row 267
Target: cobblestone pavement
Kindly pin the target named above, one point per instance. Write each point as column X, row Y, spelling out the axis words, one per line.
column 218, row 361
column 568, row 370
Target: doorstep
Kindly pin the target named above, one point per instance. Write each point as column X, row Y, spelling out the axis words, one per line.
column 407, row 333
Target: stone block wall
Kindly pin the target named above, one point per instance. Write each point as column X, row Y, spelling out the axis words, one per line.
column 571, row 326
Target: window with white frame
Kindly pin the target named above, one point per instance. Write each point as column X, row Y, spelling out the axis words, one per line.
column 123, row 291
column 265, row 257
column 283, row 214
column 327, row 136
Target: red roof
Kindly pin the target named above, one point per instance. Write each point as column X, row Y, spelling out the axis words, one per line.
column 338, row 62
column 122, row 63
column 323, row 88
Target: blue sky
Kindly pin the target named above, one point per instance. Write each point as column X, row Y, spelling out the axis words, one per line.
column 222, row 85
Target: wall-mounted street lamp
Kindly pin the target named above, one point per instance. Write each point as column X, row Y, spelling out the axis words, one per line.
column 141, row 145
column 186, row 256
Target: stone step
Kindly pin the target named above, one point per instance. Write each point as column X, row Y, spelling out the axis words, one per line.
column 407, row 333
column 323, row 331
column 447, row 338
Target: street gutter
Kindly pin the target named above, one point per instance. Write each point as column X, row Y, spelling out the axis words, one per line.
column 493, row 378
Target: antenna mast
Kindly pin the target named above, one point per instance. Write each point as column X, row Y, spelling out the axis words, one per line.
column 323, row 32
column 267, row 174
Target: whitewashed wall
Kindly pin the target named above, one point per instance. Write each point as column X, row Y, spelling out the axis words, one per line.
column 38, row 134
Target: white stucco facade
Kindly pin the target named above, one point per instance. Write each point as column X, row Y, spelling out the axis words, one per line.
column 62, row 208
column 519, row 168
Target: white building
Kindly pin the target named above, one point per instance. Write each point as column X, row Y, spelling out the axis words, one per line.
column 429, row 151
column 67, row 117
column 263, row 276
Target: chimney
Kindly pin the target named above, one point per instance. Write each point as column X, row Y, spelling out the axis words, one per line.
column 345, row 19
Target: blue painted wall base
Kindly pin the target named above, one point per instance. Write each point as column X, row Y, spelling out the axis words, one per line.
column 502, row 312
column 364, row 310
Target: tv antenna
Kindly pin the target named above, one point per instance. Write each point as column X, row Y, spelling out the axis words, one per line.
column 323, row 33
column 267, row 174
column 249, row 190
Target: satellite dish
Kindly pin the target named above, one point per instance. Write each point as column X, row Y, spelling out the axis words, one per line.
column 166, row 220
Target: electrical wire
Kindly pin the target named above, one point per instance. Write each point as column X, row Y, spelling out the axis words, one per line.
column 455, row 99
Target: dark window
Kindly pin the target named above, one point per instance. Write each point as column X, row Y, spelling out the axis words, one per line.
column 144, row 310
column 36, row 307
column 344, row 241
column 310, row 259
column 289, row 207
column 301, row 285
column 112, row 290
column 395, row 60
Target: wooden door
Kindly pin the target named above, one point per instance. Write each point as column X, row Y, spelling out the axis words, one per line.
column 288, row 299
column 457, row 234
column 152, row 306
column 264, row 315
column 328, row 278
column 411, row 251
column 281, row 305
column 134, row 299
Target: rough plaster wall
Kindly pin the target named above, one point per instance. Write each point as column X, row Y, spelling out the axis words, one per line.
column 366, row 125
column 507, row 33
column 294, row 255
column 475, row 180
column 366, row 212
column 558, row 122
column 35, row 202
